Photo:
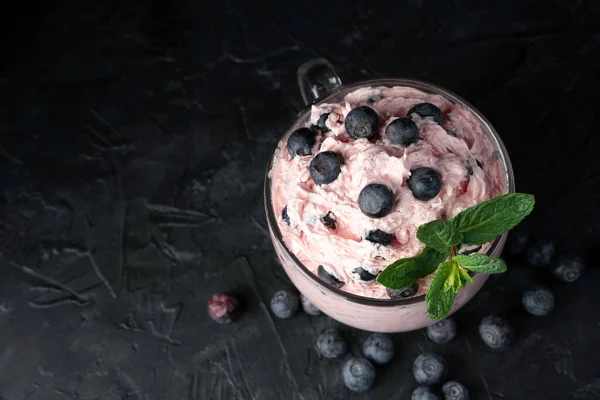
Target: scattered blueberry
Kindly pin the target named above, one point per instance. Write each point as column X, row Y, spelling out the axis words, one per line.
column 517, row 239
column 425, row 183
column 321, row 122
column 376, row 200
column 222, row 307
column 426, row 110
column 363, row 274
column 284, row 304
column 568, row 268
column 331, row 343
column 429, row 369
column 540, row 254
column 404, row 293
column 380, row 237
column 358, row 374
column 496, row 332
column 309, row 307
column 424, row 393
column 379, row 348
column 470, row 251
column 402, row 131
column 325, row 167
column 538, row 301
column 328, row 278
column 443, row 331
column 362, row 122
column 285, row 216
column 455, row 391
column 452, row 133
column 329, row 220
column 301, row 142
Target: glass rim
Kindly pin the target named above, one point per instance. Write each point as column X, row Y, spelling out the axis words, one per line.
column 388, row 82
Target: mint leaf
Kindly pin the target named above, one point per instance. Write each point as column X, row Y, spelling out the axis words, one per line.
column 487, row 220
column 439, row 300
column 481, row 263
column 407, row 271
column 453, row 280
column 464, row 274
column 439, row 235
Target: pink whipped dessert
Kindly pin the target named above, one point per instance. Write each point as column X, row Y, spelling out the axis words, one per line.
column 349, row 203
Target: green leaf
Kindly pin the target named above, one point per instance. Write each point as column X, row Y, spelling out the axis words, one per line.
column 439, row 235
column 464, row 274
column 446, row 283
column 453, row 280
column 481, row 263
column 407, row 271
column 487, row 220
column 439, row 300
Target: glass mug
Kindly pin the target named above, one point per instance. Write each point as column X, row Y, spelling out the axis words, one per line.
column 318, row 84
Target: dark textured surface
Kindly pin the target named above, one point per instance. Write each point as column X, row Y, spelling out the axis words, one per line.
column 131, row 169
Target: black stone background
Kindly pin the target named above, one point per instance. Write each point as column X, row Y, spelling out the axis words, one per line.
column 134, row 141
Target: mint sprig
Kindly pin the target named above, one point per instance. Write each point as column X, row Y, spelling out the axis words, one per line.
column 440, row 235
column 474, row 226
column 439, row 299
column 407, row 271
column 481, row 263
column 490, row 219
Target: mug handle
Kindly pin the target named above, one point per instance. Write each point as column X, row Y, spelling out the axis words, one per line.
column 316, row 78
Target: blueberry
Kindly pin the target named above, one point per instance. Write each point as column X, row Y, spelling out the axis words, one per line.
column 376, row 200
column 328, row 278
column 301, row 142
column 427, row 110
column 222, row 307
column 455, row 391
column 380, row 237
column 568, row 268
column 358, row 374
column 309, row 307
column 362, row 122
column 363, row 274
column 517, row 239
column 402, row 131
column 429, row 369
column 538, row 301
column 540, row 254
column 424, row 393
column 325, row 167
column 331, row 343
column 285, row 216
column 443, row 331
column 425, row 183
column 403, row 293
column 496, row 332
column 379, row 348
column 284, row 304
column 321, row 122
column 329, row 220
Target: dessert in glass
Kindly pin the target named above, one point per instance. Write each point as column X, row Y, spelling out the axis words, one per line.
column 357, row 172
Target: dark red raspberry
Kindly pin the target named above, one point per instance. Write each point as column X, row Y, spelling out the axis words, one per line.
column 222, row 307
